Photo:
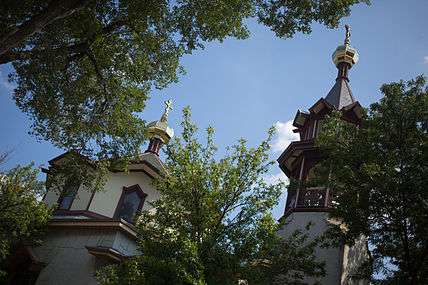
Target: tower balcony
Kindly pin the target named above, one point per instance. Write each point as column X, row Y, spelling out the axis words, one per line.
column 311, row 199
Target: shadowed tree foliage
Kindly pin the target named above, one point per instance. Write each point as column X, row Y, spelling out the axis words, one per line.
column 212, row 223
column 23, row 216
column 379, row 174
column 84, row 68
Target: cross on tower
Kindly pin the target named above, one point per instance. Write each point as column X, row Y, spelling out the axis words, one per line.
column 168, row 107
column 347, row 35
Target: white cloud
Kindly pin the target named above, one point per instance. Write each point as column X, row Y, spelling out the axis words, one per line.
column 275, row 178
column 284, row 136
column 426, row 59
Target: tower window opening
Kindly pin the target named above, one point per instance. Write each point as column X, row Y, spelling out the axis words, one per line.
column 314, row 197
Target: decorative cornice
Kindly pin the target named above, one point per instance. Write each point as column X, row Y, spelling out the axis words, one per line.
column 111, row 253
column 120, row 225
column 304, row 145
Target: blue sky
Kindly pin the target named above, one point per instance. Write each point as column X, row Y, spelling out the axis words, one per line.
column 242, row 87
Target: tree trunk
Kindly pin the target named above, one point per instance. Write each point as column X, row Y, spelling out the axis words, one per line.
column 57, row 9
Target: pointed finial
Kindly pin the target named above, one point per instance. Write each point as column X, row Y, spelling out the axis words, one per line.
column 168, row 107
column 348, row 35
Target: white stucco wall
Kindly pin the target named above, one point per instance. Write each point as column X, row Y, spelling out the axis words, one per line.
column 51, row 197
column 342, row 264
column 81, row 200
column 331, row 256
column 67, row 259
column 105, row 201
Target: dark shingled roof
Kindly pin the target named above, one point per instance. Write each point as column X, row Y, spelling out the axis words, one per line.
column 340, row 95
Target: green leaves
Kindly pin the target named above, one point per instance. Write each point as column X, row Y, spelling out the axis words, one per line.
column 286, row 18
column 84, row 70
column 212, row 223
column 23, row 216
column 379, row 175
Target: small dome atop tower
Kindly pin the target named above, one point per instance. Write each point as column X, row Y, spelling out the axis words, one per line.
column 159, row 132
column 344, row 57
column 345, row 53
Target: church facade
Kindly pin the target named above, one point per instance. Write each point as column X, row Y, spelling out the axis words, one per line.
column 88, row 229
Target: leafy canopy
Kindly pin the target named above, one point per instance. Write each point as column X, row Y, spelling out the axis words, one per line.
column 84, row 68
column 212, row 223
column 379, row 173
column 23, row 216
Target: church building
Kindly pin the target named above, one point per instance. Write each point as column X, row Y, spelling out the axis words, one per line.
column 91, row 229
column 306, row 205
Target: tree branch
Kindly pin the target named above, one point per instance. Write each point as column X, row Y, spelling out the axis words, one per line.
column 12, row 56
column 76, row 51
column 100, row 78
column 55, row 10
column 73, row 51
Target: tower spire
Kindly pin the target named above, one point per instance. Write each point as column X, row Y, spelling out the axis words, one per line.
column 344, row 57
column 159, row 132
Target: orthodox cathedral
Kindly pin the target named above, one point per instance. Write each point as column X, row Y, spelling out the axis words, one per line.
column 92, row 229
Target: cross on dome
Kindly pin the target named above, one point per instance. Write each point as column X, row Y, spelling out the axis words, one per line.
column 168, row 107
column 348, row 35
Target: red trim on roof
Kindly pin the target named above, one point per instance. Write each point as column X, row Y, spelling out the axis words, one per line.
column 84, row 213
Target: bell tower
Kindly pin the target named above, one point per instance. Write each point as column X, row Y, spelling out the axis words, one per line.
column 311, row 204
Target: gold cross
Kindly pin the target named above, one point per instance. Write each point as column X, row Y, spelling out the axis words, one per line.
column 347, row 35
column 168, row 107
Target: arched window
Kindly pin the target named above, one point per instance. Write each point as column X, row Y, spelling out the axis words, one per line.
column 130, row 203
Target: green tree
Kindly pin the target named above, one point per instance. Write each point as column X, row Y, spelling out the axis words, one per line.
column 379, row 174
column 23, row 216
column 84, row 68
column 212, row 223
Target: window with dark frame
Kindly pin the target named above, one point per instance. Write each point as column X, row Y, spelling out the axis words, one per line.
column 67, row 196
column 319, row 127
column 131, row 202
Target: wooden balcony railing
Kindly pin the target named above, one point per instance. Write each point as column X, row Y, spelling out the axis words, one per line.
column 313, row 197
